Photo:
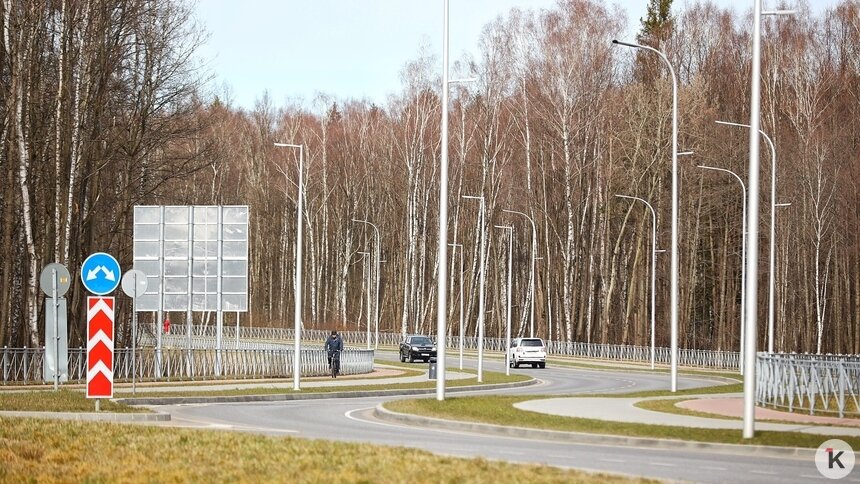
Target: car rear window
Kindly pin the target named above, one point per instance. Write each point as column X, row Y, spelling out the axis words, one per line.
column 532, row 342
column 421, row 341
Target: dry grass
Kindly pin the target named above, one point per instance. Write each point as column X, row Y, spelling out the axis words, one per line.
column 48, row 451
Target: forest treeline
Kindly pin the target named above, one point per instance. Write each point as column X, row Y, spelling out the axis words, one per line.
column 103, row 107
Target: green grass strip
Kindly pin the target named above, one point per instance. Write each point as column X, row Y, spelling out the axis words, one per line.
column 499, row 410
column 60, row 401
column 51, row 451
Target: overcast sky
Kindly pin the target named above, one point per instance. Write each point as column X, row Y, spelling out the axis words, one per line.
column 349, row 48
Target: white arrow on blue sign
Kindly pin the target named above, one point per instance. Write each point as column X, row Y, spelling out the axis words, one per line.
column 100, row 273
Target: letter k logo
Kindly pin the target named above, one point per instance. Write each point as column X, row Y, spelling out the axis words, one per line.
column 831, row 459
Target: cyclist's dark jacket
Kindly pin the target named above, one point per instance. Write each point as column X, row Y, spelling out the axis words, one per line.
column 333, row 344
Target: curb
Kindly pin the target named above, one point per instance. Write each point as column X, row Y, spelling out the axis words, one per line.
column 91, row 416
column 597, row 439
column 282, row 397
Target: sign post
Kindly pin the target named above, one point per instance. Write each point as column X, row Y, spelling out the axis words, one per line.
column 54, row 281
column 134, row 285
column 100, row 274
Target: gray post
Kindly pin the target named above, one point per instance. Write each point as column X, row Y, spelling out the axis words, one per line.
column 743, row 257
column 482, row 222
column 653, row 269
column 752, row 235
column 674, row 299
column 442, row 276
column 219, row 315
column 55, row 305
column 297, row 315
column 510, row 231
column 134, row 336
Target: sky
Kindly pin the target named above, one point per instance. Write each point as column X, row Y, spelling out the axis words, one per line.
column 349, row 48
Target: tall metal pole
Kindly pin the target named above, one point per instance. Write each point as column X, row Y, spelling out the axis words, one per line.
column 461, row 300
column 653, row 269
column 772, row 253
column 366, row 281
column 752, row 234
column 743, row 259
column 442, row 276
column 297, row 315
column 483, row 223
column 674, row 269
column 510, row 230
column 376, row 274
column 533, row 273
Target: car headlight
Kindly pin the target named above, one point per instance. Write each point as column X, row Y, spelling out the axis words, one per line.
column 414, row 348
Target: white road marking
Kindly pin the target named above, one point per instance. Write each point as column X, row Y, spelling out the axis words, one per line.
column 662, row 464
column 713, row 468
column 808, row 476
column 766, row 473
column 619, row 461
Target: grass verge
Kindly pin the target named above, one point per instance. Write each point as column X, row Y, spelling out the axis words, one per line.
column 59, row 401
column 500, row 411
column 38, row 451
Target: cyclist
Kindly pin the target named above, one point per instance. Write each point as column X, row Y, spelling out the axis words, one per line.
column 333, row 347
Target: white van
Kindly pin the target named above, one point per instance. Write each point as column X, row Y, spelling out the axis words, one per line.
column 527, row 350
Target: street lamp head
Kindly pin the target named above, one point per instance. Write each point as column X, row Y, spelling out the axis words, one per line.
column 627, row 44
column 686, row 153
column 287, row 145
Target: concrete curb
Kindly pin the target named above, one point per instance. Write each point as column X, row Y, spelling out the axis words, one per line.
column 282, row 397
column 91, row 416
column 597, row 439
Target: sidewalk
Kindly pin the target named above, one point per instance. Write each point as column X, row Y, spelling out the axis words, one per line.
column 624, row 410
column 389, row 377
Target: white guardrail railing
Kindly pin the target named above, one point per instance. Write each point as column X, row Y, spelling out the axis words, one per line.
column 24, row 365
column 686, row 357
column 827, row 384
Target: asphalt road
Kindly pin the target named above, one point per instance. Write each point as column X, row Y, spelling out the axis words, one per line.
column 352, row 420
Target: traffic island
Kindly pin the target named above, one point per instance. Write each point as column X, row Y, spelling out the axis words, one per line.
column 71, row 405
column 515, row 415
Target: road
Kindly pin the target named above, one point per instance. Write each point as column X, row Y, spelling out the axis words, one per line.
column 352, row 420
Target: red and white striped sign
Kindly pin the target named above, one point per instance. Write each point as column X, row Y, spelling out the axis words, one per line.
column 100, row 319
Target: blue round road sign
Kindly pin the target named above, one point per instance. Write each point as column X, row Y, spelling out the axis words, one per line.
column 100, row 273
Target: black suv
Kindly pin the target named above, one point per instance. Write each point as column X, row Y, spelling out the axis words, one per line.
column 417, row 348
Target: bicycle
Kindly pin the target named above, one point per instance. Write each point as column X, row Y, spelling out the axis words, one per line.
column 335, row 363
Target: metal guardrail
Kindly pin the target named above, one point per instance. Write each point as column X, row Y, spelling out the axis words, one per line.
column 686, row 357
column 24, row 365
column 813, row 383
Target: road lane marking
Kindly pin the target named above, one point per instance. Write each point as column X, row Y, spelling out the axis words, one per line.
column 766, row 473
column 617, row 461
column 662, row 464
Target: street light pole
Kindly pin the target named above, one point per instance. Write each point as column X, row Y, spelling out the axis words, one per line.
column 442, row 276
column 366, row 280
column 653, row 268
column 483, row 223
column 377, row 278
column 510, row 230
column 461, row 301
column 752, row 221
column 297, row 317
column 743, row 258
column 772, row 254
column 533, row 276
column 674, row 296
